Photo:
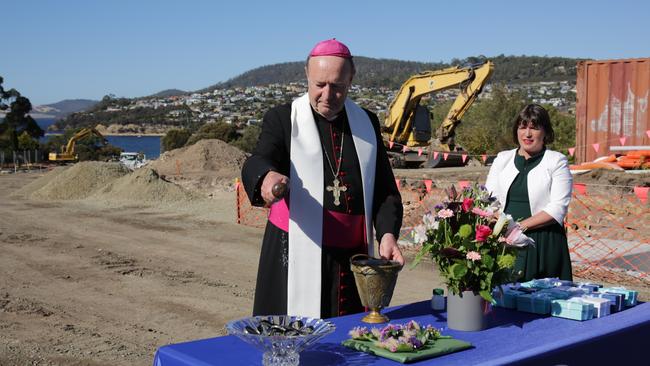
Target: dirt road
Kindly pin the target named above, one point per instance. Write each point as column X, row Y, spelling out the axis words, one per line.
column 86, row 284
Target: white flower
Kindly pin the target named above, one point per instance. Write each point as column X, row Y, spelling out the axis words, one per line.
column 504, row 219
column 430, row 221
column 419, row 234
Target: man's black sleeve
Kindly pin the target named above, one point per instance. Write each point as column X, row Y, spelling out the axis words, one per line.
column 270, row 154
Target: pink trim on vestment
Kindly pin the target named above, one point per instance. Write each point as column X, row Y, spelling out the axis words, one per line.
column 340, row 230
column 279, row 214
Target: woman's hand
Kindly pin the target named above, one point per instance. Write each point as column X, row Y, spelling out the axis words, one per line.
column 537, row 220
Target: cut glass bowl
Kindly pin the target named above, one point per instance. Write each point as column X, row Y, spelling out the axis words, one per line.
column 280, row 337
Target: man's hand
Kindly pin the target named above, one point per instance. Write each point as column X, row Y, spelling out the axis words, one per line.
column 272, row 178
column 388, row 249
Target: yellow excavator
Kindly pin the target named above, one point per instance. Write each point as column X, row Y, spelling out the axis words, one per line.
column 408, row 123
column 67, row 153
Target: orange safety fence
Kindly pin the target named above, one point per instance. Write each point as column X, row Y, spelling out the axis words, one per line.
column 608, row 227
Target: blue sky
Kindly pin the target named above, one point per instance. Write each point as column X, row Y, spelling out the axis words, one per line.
column 54, row 50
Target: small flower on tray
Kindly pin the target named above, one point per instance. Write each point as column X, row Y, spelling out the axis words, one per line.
column 399, row 337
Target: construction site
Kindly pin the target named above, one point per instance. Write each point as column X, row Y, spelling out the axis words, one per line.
column 102, row 264
column 123, row 262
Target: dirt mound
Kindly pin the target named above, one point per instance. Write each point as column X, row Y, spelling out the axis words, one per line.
column 37, row 184
column 208, row 164
column 143, row 185
column 74, row 183
column 204, row 156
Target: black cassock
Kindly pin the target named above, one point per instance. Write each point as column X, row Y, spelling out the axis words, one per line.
column 338, row 290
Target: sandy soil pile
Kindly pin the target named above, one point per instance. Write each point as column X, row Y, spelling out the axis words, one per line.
column 74, row 183
column 143, row 185
column 204, row 166
column 106, row 183
column 204, row 156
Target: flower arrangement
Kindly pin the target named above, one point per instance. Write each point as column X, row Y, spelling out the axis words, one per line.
column 471, row 240
column 399, row 337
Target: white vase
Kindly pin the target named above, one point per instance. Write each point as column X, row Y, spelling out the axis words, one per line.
column 467, row 312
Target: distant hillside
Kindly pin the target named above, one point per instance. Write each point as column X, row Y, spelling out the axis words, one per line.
column 388, row 73
column 167, row 93
column 65, row 107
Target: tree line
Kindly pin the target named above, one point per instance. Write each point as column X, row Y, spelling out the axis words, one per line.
column 391, row 74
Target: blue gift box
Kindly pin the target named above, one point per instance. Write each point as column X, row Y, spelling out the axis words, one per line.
column 591, row 287
column 538, row 303
column 617, row 300
column 507, row 299
column 540, row 283
column 630, row 295
column 573, row 291
column 558, row 293
column 602, row 307
column 563, row 283
column 575, row 309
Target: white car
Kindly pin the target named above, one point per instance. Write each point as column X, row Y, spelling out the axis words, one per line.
column 133, row 160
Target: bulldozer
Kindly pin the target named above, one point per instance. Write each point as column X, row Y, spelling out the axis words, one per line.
column 67, row 153
column 407, row 127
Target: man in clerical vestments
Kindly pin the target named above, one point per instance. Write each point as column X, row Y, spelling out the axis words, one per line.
column 341, row 193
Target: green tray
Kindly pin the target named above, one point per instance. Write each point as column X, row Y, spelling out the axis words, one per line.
column 440, row 347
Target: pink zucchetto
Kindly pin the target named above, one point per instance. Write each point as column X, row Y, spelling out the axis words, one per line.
column 330, row 47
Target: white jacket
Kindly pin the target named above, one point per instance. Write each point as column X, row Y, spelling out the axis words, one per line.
column 549, row 183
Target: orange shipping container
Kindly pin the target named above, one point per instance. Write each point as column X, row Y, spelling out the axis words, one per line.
column 612, row 102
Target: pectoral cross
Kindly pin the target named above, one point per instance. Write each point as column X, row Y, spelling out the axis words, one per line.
column 336, row 190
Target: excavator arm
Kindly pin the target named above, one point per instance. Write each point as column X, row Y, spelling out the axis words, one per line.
column 68, row 152
column 469, row 91
column 400, row 124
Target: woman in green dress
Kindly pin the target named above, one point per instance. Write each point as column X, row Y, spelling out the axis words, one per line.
column 534, row 185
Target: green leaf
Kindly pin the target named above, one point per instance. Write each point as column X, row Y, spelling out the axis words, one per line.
column 465, row 231
column 487, row 260
column 426, row 249
column 457, row 271
column 486, row 295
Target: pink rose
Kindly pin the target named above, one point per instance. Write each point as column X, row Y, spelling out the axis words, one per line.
column 482, row 232
column 467, row 205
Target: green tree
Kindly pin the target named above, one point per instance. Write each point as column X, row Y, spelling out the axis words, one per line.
column 248, row 139
column 220, row 130
column 174, row 139
column 564, row 126
column 487, row 125
column 16, row 121
column 27, row 142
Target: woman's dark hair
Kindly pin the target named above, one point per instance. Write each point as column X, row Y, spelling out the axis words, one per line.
column 538, row 117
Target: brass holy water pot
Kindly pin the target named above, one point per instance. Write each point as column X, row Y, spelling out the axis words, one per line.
column 375, row 279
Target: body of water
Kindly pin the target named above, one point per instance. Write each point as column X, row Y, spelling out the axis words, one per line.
column 149, row 145
column 44, row 123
